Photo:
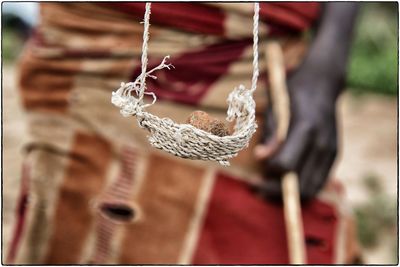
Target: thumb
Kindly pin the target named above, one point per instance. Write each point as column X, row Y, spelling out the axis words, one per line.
column 269, row 144
column 267, row 150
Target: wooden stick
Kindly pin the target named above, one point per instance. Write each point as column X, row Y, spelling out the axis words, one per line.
column 293, row 219
column 290, row 186
column 278, row 89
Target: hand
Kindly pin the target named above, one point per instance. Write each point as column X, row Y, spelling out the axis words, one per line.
column 311, row 144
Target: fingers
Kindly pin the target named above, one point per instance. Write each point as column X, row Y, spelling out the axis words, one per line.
column 290, row 156
column 321, row 174
column 313, row 160
column 287, row 159
column 314, row 171
column 306, row 154
column 313, row 176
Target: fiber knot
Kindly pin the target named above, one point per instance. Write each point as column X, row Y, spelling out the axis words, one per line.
column 238, row 99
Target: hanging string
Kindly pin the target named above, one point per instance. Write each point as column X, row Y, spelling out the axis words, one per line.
column 144, row 49
column 255, row 47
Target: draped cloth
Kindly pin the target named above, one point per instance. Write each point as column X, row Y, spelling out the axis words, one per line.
column 187, row 212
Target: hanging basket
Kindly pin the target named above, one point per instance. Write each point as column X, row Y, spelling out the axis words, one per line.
column 185, row 140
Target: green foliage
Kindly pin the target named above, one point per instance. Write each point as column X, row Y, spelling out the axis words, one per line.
column 377, row 216
column 373, row 62
column 372, row 184
column 12, row 44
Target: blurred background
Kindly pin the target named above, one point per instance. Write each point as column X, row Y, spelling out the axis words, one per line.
column 367, row 163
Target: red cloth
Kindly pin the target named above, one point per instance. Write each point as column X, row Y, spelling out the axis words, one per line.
column 199, row 18
column 194, row 72
column 20, row 213
column 289, row 16
column 235, row 217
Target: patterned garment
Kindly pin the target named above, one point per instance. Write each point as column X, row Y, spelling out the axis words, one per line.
column 81, row 149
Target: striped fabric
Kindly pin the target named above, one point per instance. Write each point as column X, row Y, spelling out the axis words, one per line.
column 82, row 151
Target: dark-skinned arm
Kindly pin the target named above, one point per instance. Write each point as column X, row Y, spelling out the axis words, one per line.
column 311, row 145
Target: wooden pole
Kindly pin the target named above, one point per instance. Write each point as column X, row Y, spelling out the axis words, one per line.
column 293, row 219
column 290, row 185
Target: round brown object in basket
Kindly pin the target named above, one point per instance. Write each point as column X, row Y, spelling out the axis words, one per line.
column 203, row 121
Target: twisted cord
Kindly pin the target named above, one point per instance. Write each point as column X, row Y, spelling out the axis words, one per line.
column 144, row 49
column 255, row 47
